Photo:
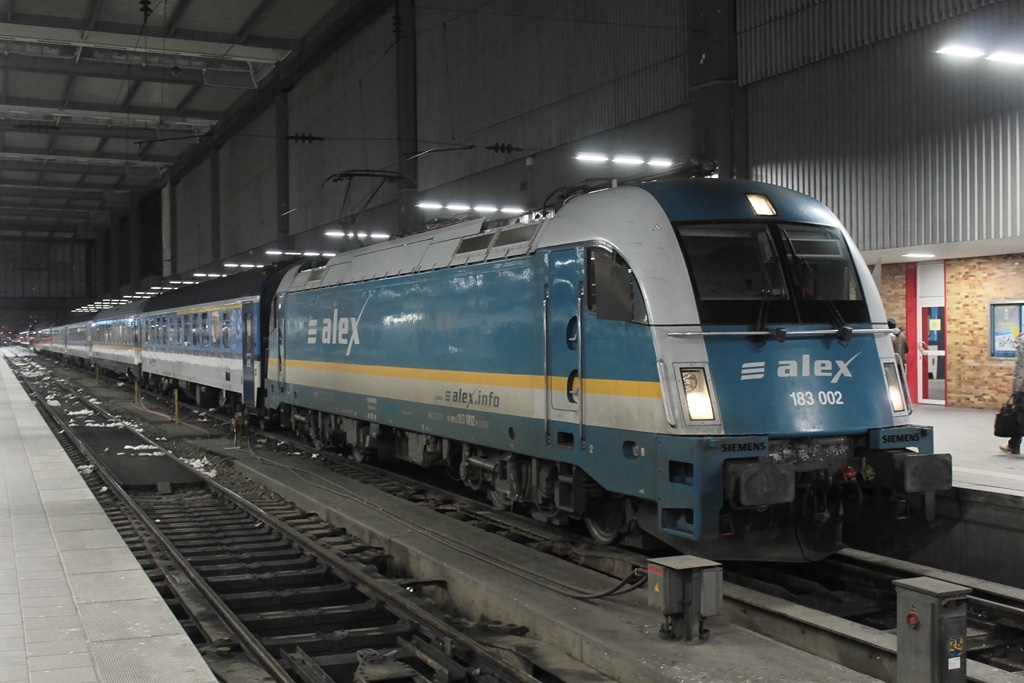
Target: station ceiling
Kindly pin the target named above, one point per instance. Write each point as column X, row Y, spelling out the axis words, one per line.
column 100, row 99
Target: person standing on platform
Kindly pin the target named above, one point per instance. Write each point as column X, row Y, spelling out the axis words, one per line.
column 1013, row 446
column 898, row 336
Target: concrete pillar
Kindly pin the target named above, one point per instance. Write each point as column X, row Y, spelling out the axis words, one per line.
column 168, row 231
column 215, row 204
column 405, row 82
column 282, row 172
column 720, row 128
column 134, row 239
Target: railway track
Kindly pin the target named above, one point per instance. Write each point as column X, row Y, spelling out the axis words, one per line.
column 842, row 609
column 304, row 600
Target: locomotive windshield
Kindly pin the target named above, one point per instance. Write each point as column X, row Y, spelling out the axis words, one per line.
column 772, row 273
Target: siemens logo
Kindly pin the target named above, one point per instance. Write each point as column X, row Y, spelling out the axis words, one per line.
column 900, row 438
column 805, row 366
column 747, row 446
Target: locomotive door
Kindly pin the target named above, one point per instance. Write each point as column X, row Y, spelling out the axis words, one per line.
column 248, row 355
column 564, row 347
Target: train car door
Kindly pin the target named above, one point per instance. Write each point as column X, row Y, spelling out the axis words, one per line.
column 564, row 348
column 248, row 354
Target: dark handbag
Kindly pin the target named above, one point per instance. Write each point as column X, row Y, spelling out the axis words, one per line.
column 1010, row 419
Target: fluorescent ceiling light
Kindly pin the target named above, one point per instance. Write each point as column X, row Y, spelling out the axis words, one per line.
column 485, row 208
column 334, row 233
column 457, row 207
column 274, row 252
column 1006, row 57
column 379, row 236
column 918, row 255
column 961, row 51
column 591, row 156
column 661, row 163
column 628, row 160
column 512, row 210
column 231, row 265
column 430, row 205
column 311, row 253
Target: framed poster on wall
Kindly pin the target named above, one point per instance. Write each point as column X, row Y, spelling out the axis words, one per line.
column 1004, row 325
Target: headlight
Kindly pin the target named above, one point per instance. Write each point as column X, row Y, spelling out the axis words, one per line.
column 697, row 394
column 895, row 386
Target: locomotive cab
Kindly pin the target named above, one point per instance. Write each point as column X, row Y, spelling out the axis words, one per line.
column 795, row 375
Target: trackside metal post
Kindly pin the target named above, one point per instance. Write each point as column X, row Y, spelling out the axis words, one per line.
column 931, row 631
column 175, row 406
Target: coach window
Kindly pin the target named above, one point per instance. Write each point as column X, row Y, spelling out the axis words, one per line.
column 224, row 332
column 193, row 323
column 215, row 327
column 612, row 289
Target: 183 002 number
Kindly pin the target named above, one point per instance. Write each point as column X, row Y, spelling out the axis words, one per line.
column 809, row 398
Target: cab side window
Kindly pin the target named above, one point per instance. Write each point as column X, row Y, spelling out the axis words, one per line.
column 612, row 290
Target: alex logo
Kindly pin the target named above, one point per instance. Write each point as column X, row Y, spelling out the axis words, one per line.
column 336, row 330
column 805, row 366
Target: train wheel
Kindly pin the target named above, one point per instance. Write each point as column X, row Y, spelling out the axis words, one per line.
column 605, row 518
column 499, row 499
column 315, row 433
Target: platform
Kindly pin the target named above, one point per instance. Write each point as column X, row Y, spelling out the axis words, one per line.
column 75, row 606
column 977, row 461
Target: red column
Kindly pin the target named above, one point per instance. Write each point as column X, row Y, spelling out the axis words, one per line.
column 913, row 326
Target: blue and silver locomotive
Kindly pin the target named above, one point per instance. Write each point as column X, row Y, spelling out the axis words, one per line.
column 702, row 361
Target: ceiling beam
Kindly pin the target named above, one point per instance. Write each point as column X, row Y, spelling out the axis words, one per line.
column 154, row 73
column 114, row 114
column 153, row 31
column 224, row 49
column 69, row 164
column 56, row 190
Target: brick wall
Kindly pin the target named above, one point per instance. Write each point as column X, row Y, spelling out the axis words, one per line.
column 973, row 379
column 894, row 292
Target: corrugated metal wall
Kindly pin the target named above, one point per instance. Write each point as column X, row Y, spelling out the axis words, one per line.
column 350, row 101
column 533, row 74
column 248, row 187
column 537, row 74
column 194, row 213
column 776, row 36
column 906, row 146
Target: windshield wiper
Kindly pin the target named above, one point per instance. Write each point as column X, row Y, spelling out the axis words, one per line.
column 843, row 331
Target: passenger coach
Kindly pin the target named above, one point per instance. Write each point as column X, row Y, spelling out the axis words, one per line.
column 208, row 339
